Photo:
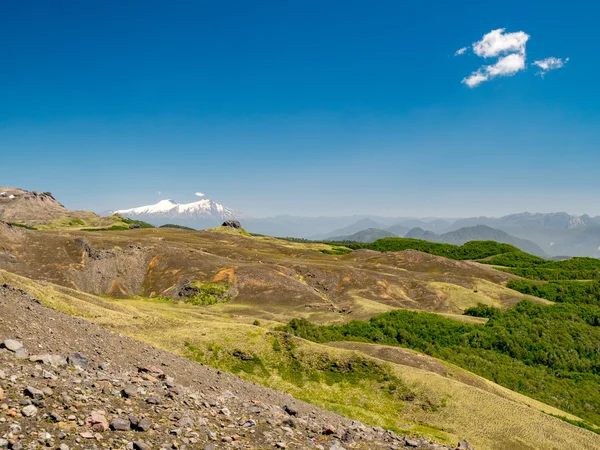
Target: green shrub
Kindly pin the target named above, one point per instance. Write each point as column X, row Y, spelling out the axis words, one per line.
column 208, row 293
column 546, row 352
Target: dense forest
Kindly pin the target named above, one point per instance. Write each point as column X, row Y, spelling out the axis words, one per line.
column 548, row 352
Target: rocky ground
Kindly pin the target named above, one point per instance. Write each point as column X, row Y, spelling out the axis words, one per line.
column 68, row 384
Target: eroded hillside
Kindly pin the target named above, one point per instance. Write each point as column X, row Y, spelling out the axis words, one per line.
column 265, row 278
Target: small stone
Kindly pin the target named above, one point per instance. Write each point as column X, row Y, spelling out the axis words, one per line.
column 186, row 422
column 336, row 446
column 281, row 445
column 87, row 435
column 78, row 360
column 120, row 425
column 21, row 353
column 463, row 444
column 1, row 393
column 34, row 393
column 227, row 439
column 144, row 425
column 134, row 420
column 153, row 401
column 140, row 445
column 55, row 417
column 63, row 447
column 153, row 370
column 49, row 360
column 290, row 411
column 411, row 442
column 47, row 391
column 29, row 411
column 225, row 411
column 328, row 430
column 97, row 421
column 12, row 345
column 129, row 391
column 3, row 443
column 46, row 375
column 209, row 447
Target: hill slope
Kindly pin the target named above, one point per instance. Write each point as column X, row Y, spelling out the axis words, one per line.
column 368, row 235
column 126, row 378
column 436, row 394
column 308, row 283
column 476, row 233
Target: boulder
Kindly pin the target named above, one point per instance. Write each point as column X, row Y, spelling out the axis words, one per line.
column 232, row 224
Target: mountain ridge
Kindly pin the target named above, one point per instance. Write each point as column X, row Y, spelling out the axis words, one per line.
column 204, row 212
column 477, row 233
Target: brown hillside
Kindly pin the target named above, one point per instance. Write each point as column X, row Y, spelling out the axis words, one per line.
column 269, row 278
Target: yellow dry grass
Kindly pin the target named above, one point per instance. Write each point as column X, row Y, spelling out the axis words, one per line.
column 486, row 414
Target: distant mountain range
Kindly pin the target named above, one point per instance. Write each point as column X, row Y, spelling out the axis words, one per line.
column 553, row 234
column 368, row 235
column 457, row 237
column 477, row 233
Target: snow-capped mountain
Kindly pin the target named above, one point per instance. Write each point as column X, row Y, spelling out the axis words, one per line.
column 204, row 212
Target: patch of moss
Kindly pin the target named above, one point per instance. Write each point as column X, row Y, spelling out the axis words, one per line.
column 336, row 251
column 181, row 227
column 22, row 225
column 209, row 293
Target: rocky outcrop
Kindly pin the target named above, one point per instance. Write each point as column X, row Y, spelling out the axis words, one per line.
column 232, row 224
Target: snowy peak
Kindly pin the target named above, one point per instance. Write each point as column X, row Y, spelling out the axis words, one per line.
column 204, row 209
column 161, row 207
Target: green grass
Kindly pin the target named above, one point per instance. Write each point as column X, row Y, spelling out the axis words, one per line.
column 577, row 292
column 336, row 251
column 549, row 353
column 470, row 250
column 123, row 224
column 208, row 293
column 181, row 227
column 21, row 225
column 579, row 423
column 318, row 377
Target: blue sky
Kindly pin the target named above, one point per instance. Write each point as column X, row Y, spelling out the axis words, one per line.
column 300, row 107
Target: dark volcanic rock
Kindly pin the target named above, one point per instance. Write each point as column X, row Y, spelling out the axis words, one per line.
column 232, row 224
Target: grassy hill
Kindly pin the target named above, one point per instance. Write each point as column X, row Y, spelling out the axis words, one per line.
column 408, row 393
column 220, row 297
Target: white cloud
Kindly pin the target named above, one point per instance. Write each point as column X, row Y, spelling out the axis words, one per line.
column 504, row 67
column 497, row 42
column 548, row 64
column 509, row 49
column 507, row 65
column 475, row 79
column 199, row 194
